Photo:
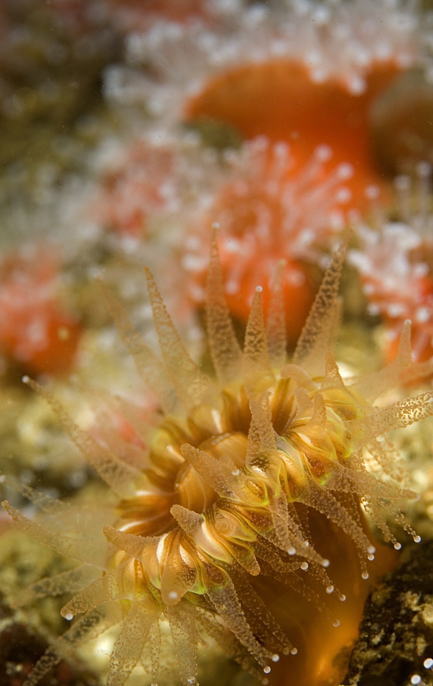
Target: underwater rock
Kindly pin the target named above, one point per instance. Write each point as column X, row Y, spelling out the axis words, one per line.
column 395, row 644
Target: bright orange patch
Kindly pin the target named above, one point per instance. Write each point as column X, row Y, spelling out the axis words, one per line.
column 35, row 332
column 299, row 289
column 278, row 99
column 324, row 650
column 58, row 353
column 54, row 352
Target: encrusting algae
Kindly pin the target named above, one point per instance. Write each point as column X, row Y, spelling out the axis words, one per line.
column 245, row 520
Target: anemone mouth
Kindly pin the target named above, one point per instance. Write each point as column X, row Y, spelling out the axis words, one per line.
column 222, row 433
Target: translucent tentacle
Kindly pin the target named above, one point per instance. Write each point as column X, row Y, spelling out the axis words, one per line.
column 224, row 347
column 55, row 511
column 108, row 587
column 182, row 620
column 132, row 544
column 223, row 597
column 315, row 428
column 276, row 323
column 218, row 476
column 70, row 581
column 80, row 550
column 178, row 577
column 130, row 642
column 374, row 385
column 379, row 421
column 192, row 386
column 302, row 379
column 332, row 373
column 85, row 629
column 328, row 505
column 257, row 371
column 154, row 640
column 187, row 519
column 389, row 458
column 121, row 477
column 303, row 401
column 150, row 368
column 320, row 325
column 252, row 601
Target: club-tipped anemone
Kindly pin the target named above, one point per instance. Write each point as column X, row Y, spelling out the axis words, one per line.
column 184, row 59
column 320, row 62
column 245, row 519
column 270, row 210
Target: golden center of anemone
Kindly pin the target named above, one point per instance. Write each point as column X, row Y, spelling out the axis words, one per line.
column 309, row 445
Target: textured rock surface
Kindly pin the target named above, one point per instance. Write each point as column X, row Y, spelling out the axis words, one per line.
column 396, row 633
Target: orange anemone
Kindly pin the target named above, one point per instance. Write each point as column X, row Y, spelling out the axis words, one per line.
column 270, row 211
column 35, row 330
column 279, row 99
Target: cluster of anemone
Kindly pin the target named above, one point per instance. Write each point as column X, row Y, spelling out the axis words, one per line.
column 166, row 192
column 245, row 494
column 270, row 198
column 163, row 194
